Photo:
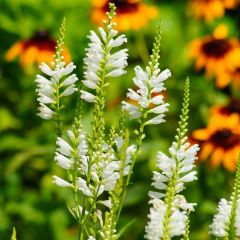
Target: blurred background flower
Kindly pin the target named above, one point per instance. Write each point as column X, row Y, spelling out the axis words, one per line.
column 40, row 48
column 218, row 55
column 211, row 9
column 220, row 140
column 131, row 14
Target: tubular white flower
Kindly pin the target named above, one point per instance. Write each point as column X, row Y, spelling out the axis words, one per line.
column 100, row 55
column 84, row 188
column 179, row 164
column 48, row 89
column 181, row 202
column 60, row 182
column 63, row 161
column 154, row 228
column 88, row 97
column 63, row 147
column 221, row 219
column 133, row 110
column 177, row 223
column 130, row 151
column 91, row 238
column 185, row 156
column 148, row 82
column 106, row 203
column 45, row 112
column 69, row 91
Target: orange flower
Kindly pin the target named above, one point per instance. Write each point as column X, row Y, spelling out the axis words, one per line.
column 211, row 9
column 220, row 141
column 40, row 48
column 218, row 55
column 232, row 107
column 131, row 14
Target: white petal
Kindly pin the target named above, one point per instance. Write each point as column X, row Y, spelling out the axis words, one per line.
column 87, row 96
column 119, row 41
column 46, row 69
column 45, row 112
column 60, row 182
column 69, row 90
column 156, row 120
column 83, row 187
column 64, row 147
column 63, row 161
column 106, row 203
column 157, row 100
column 70, row 80
column 90, row 84
column 116, row 73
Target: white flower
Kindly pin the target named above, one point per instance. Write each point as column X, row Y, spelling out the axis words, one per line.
column 116, row 73
column 221, row 219
column 156, row 120
column 148, row 82
column 110, row 182
column 91, row 238
column 82, row 146
column 106, row 203
column 89, row 97
column 177, row 223
column 154, row 228
column 99, row 55
column 133, row 110
column 165, row 164
column 45, row 112
column 46, row 88
column 180, row 202
column 69, row 91
column 83, row 187
column 63, row 147
column 130, row 151
column 119, row 141
column 60, row 182
column 63, row 161
column 70, row 80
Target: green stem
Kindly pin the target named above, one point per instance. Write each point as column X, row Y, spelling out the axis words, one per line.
column 139, row 143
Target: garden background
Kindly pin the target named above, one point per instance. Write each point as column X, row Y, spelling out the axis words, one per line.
column 200, row 39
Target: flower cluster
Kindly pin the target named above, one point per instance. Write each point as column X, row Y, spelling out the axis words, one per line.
column 101, row 61
column 168, row 217
column 60, row 84
column 57, row 82
column 221, row 220
column 226, row 223
column 95, row 174
column 148, row 85
column 177, row 167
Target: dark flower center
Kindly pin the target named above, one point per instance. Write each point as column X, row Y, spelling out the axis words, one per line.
column 232, row 107
column 123, row 6
column 41, row 40
column 225, row 138
column 216, row 47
